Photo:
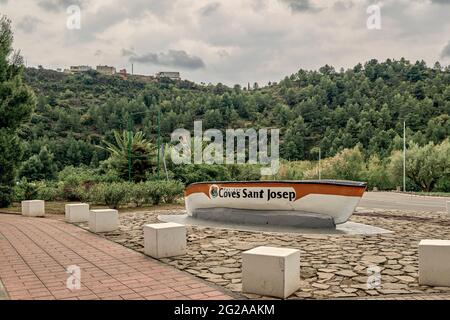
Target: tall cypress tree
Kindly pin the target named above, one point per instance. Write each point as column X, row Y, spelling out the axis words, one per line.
column 16, row 105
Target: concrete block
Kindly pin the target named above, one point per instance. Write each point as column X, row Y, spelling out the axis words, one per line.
column 434, row 263
column 33, row 208
column 77, row 212
column 104, row 220
column 271, row 271
column 163, row 240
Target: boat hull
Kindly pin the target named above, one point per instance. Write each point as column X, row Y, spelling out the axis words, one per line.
column 337, row 199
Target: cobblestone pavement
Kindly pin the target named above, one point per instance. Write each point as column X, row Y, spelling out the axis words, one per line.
column 35, row 254
column 331, row 266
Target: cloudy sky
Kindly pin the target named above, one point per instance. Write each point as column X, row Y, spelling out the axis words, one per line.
column 228, row 41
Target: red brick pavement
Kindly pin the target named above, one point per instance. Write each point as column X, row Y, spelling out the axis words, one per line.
column 35, row 254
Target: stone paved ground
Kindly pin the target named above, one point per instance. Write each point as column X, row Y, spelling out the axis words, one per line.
column 331, row 266
column 34, row 255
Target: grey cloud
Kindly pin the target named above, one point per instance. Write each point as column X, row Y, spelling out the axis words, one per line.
column 441, row 1
column 446, row 51
column 173, row 58
column 160, row 8
column 127, row 52
column 223, row 54
column 258, row 5
column 59, row 5
column 111, row 15
column 209, row 8
column 93, row 24
column 299, row 5
column 28, row 24
column 343, row 5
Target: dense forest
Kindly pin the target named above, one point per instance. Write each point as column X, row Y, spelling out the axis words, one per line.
column 330, row 109
column 355, row 117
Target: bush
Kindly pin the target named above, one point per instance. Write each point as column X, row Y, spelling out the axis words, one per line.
column 426, row 166
column 346, row 165
column 244, row 172
column 294, row 170
column 24, row 190
column 154, row 192
column 138, row 194
column 76, row 183
column 171, row 190
column 116, row 194
column 71, row 190
column 47, row 192
column 376, row 175
column 6, row 196
column 157, row 192
column 191, row 173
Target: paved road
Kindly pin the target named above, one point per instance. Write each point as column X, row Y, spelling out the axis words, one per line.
column 35, row 253
column 392, row 200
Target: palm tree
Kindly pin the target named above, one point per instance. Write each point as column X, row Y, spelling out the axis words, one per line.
column 134, row 148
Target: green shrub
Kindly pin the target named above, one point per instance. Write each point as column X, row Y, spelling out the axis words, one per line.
column 244, row 172
column 116, row 194
column 191, row 173
column 139, row 194
column 426, row 166
column 47, row 192
column 160, row 191
column 154, row 192
column 24, row 190
column 348, row 164
column 92, row 194
column 376, row 175
column 443, row 184
column 171, row 190
column 70, row 190
column 294, row 170
column 79, row 183
column 6, row 196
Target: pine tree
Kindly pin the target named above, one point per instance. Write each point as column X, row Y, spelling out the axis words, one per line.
column 39, row 167
column 16, row 105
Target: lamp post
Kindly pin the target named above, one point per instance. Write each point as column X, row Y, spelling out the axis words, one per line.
column 320, row 156
column 129, row 148
column 130, row 139
column 159, row 138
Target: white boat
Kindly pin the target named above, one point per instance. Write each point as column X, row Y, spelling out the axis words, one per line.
column 331, row 198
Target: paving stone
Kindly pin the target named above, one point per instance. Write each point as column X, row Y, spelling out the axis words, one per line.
column 340, row 262
column 320, row 286
column 406, row 279
column 224, row 270
column 374, row 259
column 346, row 273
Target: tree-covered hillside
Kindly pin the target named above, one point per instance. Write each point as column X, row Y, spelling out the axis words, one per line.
column 330, row 109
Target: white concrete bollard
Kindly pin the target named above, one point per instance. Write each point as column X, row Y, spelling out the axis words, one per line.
column 434, row 263
column 103, row 220
column 448, row 207
column 271, row 271
column 77, row 212
column 33, row 208
column 163, row 240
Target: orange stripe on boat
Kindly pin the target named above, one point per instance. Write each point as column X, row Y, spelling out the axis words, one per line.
column 301, row 189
